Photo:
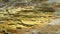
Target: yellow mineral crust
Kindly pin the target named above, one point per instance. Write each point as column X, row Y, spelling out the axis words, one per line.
column 25, row 18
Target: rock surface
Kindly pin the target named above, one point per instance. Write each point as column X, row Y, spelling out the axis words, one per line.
column 29, row 16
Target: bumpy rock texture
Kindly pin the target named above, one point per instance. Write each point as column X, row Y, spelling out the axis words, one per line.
column 30, row 16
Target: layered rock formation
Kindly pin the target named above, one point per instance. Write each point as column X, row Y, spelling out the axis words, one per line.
column 28, row 15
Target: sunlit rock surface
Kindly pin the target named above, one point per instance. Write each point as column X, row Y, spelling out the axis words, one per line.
column 30, row 16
